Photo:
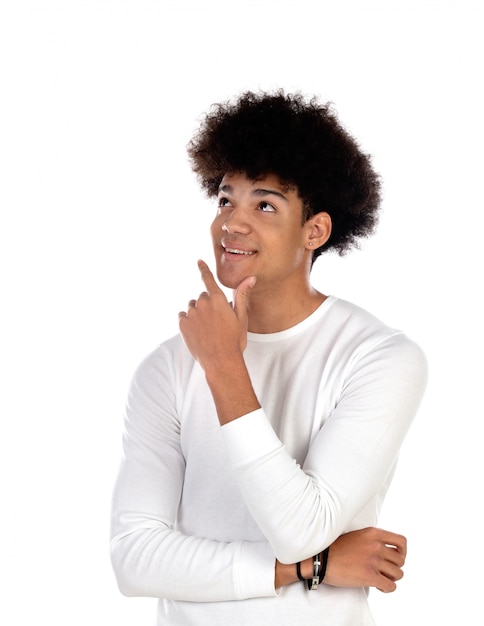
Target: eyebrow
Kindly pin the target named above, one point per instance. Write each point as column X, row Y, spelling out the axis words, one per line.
column 255, row 192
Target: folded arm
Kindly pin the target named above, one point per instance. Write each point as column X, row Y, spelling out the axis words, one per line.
column 151, row 558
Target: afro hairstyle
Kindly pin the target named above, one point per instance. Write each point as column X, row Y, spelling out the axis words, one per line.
column 301, row 142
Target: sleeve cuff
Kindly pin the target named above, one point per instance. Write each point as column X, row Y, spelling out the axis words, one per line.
column 255, row 571
column 249, row 437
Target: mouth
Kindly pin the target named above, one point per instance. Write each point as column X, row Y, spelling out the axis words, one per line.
column 239, row 252
column 233, row 252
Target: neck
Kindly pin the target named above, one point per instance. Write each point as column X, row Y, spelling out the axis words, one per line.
column 272, row 313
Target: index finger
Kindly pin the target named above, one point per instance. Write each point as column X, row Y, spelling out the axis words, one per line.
column 208, row 279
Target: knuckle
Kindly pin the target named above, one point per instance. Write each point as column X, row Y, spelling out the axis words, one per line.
column 377, row 548
column 373, row 573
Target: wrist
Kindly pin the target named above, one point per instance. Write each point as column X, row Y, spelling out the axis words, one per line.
column 284, row 574
column 307, row 568
column 318, row 564
column 225, row 371
column 231, row 389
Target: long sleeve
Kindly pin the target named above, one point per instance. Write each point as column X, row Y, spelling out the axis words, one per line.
column 149, row 556
column 200, row 511
column 303, row 509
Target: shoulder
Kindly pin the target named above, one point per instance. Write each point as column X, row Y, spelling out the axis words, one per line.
column 348, row 314
column 377, row 363
column 152, row 395
column 361, row 333
column 167, row 361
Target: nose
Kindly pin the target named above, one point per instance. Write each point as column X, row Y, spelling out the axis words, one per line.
column 236, row 222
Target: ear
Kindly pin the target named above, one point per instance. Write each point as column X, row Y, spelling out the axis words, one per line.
column 318, row 230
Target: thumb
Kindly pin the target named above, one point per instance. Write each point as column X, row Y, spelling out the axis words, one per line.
column 241, row 297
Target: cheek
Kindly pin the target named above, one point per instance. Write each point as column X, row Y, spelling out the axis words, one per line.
column 294, row 251
column 216, row 228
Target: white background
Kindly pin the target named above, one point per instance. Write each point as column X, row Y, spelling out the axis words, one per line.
column 102, row 223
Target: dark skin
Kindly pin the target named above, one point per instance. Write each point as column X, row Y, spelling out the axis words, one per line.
column 263, row 252
column 370, row 557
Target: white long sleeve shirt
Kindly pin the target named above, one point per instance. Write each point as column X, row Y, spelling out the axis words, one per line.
column 201, row 512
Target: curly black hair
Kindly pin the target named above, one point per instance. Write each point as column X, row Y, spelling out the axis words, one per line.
column 301, row 142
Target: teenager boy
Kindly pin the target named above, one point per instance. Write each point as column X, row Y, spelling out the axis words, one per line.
column 261, row 441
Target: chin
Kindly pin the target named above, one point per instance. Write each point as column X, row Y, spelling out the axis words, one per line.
column 230, row 280
column 229, row 283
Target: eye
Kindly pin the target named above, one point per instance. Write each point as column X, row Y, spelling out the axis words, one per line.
column 223, row 202
column 265, row 207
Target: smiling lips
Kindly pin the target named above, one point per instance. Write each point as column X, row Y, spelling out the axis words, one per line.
column 234, row 251
column 237, row 251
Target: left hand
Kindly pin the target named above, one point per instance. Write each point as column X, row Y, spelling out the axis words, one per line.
column 370, row 557
column 212, row 328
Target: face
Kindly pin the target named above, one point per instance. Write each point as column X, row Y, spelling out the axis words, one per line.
column 258, row 231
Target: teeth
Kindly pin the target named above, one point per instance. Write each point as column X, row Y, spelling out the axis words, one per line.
column 235, row 251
